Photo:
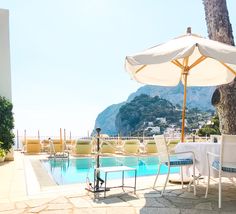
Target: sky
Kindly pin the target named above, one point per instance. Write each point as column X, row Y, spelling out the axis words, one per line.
column 67, row 56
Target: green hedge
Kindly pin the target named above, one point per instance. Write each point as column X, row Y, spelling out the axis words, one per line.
column 6, row 124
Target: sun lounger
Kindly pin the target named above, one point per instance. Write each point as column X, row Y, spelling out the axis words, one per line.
column 108, row 147
column 58, row 145
column 55, row 153
column 83, row 147
column 45, row 146
column 150, row 146
column 131, row 146
column 33, row 146
column 70, row 144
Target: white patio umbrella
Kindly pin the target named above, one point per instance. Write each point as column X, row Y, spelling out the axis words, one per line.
column 192, row 59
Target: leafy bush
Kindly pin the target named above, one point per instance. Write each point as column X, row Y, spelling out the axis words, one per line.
column 2, row 153
column 210, row 129
column 6, row 124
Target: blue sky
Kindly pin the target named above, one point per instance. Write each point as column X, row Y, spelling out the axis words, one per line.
column 67, row 56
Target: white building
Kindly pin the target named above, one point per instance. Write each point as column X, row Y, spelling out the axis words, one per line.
column 161, row 119
column 153, row 129
column 201, row 123
column 150, row 123
column 5, row 68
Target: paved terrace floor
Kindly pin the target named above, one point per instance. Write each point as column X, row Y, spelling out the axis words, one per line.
column 15, row 196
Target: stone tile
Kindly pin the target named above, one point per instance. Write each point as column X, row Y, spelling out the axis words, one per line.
column 80, row 202
column 18, row 211
column 21, row 205
column 109, row 202
column 146, row 210
column 145, row 202
column 150, row 195
column 75, row 195
column 4, row 200
column 181, row 200
column 189, row 195
column 56, row 212
column 124, row 210
column 225, row 212
column 37, row 202
column 194, row 211
column 7, row 207
column 126, row 198
column 60, row 200
column 204, row 206
column 152, row 210
column 90, row 211
column 170, row 194
column 59, row 206
column 38, row 209
column 227, row 206
column 168, row 211
column 165, row 202
column 178, row 191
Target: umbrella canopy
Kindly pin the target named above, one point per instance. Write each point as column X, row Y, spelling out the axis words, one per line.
column 192, row 59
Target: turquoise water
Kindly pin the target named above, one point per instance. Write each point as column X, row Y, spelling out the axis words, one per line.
column 77, row 170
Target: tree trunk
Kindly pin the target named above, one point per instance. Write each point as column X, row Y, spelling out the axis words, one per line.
column 224, row 97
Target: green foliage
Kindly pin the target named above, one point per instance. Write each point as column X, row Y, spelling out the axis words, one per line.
column 6, row 124
column 2, row 151
column 134, row 117
column 210, row 129
column 142, row 109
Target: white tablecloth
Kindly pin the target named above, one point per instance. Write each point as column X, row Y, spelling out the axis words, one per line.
column 200, row 150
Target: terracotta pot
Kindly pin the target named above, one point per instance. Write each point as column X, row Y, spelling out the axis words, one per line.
column 10, row 155
column 2, row 159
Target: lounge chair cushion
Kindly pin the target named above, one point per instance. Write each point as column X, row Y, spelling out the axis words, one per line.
column 216, row 164
column 179, row 162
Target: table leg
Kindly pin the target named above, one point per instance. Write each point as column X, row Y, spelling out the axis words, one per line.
column 94, row 176
column 105, row 188
column 123, row 181
column 135, row 177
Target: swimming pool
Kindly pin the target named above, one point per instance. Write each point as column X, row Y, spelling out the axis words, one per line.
column 77, row 170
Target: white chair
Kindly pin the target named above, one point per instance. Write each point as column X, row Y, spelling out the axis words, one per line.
column 172, row 160
column 225, row 162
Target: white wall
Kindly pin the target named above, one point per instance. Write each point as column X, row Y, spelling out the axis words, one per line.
column 5, row 68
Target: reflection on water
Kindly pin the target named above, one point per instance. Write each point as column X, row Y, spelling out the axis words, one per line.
column 67, row 171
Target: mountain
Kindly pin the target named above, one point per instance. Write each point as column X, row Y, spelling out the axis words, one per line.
column 142, row 110
column 197, row 97
column 106, row 119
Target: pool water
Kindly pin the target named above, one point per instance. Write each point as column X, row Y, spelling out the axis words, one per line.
column 65, row 171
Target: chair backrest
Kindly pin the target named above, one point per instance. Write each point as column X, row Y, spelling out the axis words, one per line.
column 162, row 149
column 228, row 148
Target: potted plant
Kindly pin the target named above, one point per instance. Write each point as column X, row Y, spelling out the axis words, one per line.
column 6, row 126
column 2, row 154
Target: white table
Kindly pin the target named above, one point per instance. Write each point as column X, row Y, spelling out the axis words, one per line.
column 200, row 150
column 122, row 169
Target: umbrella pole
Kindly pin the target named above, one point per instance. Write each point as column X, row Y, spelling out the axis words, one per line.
column 185, row 76
column 184, row 107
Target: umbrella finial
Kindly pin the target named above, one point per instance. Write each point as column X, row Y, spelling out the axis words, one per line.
column 189, row 30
